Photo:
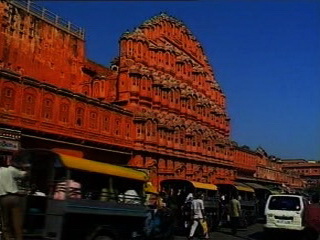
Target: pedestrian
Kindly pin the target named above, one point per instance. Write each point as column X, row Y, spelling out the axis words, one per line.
column 312, row 218
column 159, row 222
column 11, row 202
column 198, row 216
column 234, row 213
column 186, row 210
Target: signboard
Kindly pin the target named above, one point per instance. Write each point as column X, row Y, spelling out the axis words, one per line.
column 9, row 134
column 8, row 145
column 9, row 139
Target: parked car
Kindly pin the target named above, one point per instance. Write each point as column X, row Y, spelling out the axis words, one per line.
column 285, row 212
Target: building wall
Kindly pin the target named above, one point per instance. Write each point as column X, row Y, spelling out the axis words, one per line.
column 309, row 172
column 179, row 109
column 39, row 49
column 246, row 161
column 159, row 101
column 33, row 105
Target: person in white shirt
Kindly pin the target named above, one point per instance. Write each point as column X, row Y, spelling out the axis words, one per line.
column 11, row 201
column 131, row 197
column 198, row 215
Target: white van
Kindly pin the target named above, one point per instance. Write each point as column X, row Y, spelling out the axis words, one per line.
column 285, row 212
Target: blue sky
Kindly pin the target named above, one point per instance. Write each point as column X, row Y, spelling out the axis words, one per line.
column 266, row 55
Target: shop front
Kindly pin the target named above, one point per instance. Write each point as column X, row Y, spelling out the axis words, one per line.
column 9, row 144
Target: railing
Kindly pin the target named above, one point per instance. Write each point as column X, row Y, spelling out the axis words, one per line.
column 49, row 17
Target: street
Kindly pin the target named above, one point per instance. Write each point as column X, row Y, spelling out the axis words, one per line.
column 254, row 232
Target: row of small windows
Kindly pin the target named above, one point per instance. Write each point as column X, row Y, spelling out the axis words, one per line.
column 308, row 170
column 173, row 95
column 150, row 132
column 47, row 112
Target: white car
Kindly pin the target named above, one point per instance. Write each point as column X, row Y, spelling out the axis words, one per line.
column 285, row 212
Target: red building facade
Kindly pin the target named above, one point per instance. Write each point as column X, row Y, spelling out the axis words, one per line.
column 159, row 106
column 308, row 170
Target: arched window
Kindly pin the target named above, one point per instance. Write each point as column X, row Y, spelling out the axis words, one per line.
column 128, row 129
column 85, row 90
column 130, row 47
column 176, row 135
column 96, row 89
column 93, row 120
column 139, row 132
column 64, row 112
column 29, row 102
column 8, row 98
column 177, row 96
column 148, row 128
column 189, row 103
column 171, row 95
column 139, row 49
column 149, row 83
column 144, row 83
column 167, row 58
column 106, row 123
column 117, row 127
column 47, row 109
column 79, row 117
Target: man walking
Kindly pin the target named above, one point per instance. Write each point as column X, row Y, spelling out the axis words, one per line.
column 235, row 213
column 198, row 216
column 10, row 201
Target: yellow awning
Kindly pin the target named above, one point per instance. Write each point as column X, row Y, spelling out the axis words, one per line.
column 204, row 185
column 242, row 187
column 103, row 168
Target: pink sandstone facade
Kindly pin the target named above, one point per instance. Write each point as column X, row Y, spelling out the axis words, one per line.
column 158, row 107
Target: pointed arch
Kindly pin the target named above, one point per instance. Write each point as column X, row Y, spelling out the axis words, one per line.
column 48, row 106
column 8, row 96
column 29, row 101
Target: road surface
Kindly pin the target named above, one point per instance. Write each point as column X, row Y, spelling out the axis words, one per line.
column 254, row 232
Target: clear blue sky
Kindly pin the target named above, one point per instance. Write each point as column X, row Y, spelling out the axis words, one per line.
column 266, row 55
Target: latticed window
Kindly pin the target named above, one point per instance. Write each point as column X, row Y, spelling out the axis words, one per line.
column 96, row 89
column 182, row 137
column 139, row 49
column 8, row 98
column 64, row 113
column 130, row 47
column 164, row 94
column 135, row 80
column 79, row 117
column 167, row 58
column 106, row 123
column 93, row 120
column 128, row 128
column 144, row 83
column 85, row 90
column 139, row 130
column 161, row 133
column 171, row 96
column 148, row 129
column 47, row 109
column 156, row 91
column 176, row 136
column 117, row 127
column 176, row 96
column 29, row 104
